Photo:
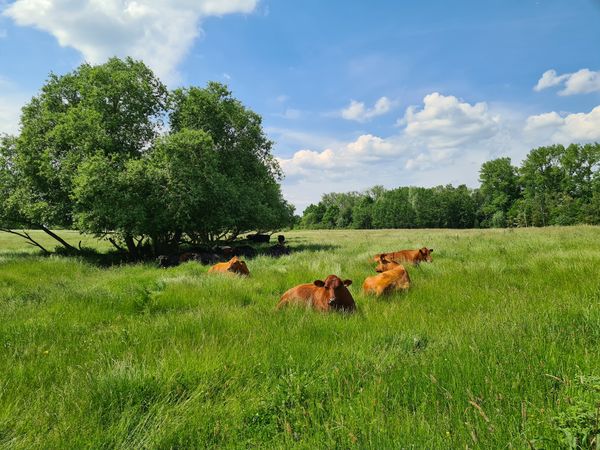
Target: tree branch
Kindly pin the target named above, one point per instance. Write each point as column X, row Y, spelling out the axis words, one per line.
column 117, row 246
column 25, row 235
column 58, row 238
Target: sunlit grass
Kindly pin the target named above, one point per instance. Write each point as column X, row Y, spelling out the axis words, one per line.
column 484, row 350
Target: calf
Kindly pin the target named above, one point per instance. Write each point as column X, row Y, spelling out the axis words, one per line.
column 411, row 256
column 388, row 281
column 331, row 294
column 234, row 265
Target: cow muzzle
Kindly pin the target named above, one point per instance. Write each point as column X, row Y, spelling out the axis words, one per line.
column 331, row 301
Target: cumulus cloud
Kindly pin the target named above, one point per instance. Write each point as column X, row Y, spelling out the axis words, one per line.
column 365, row 149
column 549, row 79
column 359, row 112
column 433, row 134
column 553, row 128
column 443, row 140
column 583, row 81
column 445, row 121
column 160, row 32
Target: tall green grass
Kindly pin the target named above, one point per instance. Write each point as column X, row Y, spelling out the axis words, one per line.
column 496, row 345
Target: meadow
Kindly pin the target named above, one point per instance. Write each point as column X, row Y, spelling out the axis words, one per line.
column 496, row 345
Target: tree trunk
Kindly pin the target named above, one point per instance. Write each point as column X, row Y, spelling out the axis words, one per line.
column 176, row 239
column 131, row 247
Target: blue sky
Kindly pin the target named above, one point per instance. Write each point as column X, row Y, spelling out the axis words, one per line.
column 353, row 93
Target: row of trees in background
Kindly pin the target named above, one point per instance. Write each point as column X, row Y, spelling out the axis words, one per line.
column 110, row 151
column 555, row 185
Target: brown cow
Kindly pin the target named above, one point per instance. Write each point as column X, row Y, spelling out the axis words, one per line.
column 321, row 295
column 234, row 265
column 385, row 265
column 388, row 281
column 411, row 256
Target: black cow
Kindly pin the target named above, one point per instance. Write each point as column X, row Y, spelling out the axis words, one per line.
column 167, row 260
column 259, row 238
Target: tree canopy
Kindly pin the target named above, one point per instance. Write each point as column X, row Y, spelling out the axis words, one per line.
column 109, row 150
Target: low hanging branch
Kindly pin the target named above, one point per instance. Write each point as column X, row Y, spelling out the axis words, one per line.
column 25, row 235
column 117, row 246
column 58, row 238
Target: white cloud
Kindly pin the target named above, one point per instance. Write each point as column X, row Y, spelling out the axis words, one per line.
column 428, row 160
column 543, row 122
column 365, row 149
column 433, row 134
column 583, row 81
column 549, row 79
column 444, row 140
column 160, row 32
column 553, row 128
column 358, row 112
column 445, row 122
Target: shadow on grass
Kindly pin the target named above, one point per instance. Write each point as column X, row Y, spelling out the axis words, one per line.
column 87, row 255
column 115, row 258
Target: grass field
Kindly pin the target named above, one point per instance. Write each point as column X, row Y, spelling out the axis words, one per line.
column 496, row 345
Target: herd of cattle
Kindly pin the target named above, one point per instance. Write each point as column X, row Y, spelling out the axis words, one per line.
column 330, row 294
column 333, row 293
column 223, row 253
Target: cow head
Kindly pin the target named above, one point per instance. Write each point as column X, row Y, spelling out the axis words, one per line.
column 339, row 296
column 425, row 254
column 385, row 265
column 236, row 265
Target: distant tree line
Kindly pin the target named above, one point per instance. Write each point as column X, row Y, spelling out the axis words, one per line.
column 108, row 150
column 555, row 185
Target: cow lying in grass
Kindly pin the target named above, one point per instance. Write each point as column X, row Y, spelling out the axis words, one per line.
column 411, row 256
column 202, row 257
column 384, row 265
column 393, row 278
column 331, row 294
column 234, row 265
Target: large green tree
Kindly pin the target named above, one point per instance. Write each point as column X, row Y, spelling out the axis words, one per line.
column 93, row 153
column 254, row 200
column 499, row 189
column 114, row 109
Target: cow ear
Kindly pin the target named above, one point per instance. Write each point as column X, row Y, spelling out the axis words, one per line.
column 347, row 282
column 319, row 283
column 430, row 250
